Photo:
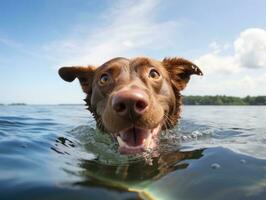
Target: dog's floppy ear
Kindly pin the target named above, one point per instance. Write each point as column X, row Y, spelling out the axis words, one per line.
column 84, row 74
column 180, row 71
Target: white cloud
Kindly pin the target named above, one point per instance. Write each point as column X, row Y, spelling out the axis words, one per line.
column 217, row 48
column 240, row 73
column 131, row 28
column 250, row 48
column 240, row 84
column 20, row 48
column 214, row 63
column 249, row 52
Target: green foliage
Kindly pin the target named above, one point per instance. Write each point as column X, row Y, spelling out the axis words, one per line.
column 224, row 100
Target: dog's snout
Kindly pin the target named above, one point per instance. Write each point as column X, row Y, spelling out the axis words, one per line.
column 133, row 101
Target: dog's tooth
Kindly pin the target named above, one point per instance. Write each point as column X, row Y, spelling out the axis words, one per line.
column 144, row 142
column 120, row 141
column 147, row 141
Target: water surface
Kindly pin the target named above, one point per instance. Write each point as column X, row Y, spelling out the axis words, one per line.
column 55, row 152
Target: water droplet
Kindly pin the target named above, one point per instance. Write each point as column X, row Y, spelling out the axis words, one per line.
column 184, row 137
column 243, row 161
column 215, row 166
column 193, row 135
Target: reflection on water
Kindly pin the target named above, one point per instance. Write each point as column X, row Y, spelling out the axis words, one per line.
column 55, row 152
column 134, row 173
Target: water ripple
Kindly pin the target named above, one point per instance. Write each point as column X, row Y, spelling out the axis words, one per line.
column 59, row 147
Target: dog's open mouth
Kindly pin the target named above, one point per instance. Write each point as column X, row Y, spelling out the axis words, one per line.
column 136, row 140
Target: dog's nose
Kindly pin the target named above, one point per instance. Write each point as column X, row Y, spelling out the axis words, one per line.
column 130, row 102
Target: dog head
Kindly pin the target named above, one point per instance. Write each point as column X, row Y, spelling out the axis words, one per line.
column 134, row 99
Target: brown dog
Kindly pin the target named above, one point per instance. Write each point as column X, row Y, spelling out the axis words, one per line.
column 134, row 99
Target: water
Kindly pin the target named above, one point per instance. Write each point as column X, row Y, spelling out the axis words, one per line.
column 55, row 152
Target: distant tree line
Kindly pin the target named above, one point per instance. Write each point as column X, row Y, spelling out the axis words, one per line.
column 13, row 104
column 224, row 100
column 204, row 100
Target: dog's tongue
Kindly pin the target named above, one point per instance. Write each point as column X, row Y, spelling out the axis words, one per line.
column 135, row 140
column 134, row 136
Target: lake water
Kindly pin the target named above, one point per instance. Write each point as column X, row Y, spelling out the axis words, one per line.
column 54, row 152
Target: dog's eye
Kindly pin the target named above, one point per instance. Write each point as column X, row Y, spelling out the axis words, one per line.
column 104, row 78
column 154, row 74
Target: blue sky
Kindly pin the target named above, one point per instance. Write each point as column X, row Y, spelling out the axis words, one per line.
column 227, row 39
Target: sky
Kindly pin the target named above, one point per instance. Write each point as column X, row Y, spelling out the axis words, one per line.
column 226, row 39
